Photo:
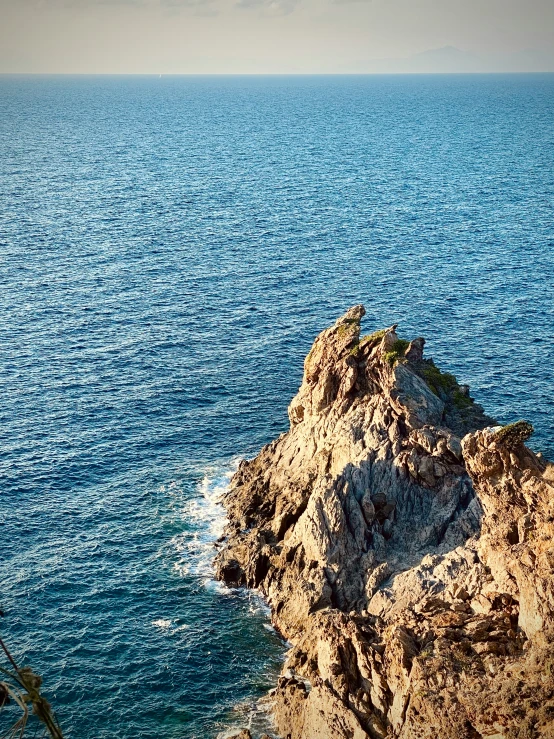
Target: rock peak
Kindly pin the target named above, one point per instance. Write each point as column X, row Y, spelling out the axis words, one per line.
column 343, row 369
column 354, row 314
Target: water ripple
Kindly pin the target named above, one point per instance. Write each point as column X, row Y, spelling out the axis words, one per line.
column 168, row 251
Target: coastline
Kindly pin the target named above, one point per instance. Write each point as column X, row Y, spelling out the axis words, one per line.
column 208, row 517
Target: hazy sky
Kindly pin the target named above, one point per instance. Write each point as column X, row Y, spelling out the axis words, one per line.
column 277, row 36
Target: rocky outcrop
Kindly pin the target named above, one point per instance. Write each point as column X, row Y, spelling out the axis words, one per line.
column 405, row 547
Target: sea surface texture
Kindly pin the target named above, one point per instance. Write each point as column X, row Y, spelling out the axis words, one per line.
column 169, row 248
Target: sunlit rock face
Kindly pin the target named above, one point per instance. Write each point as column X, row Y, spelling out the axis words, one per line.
column 404, row 544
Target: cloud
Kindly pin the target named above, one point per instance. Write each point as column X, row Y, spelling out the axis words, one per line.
column 134, row 3
column 194, row 7
column 73, row 3
column 270, row 7
column 183, row 3
column 205, row 8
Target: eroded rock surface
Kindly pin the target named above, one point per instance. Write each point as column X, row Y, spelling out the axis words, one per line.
column 405, row 547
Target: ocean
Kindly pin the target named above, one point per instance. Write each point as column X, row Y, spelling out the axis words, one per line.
column 169, row 249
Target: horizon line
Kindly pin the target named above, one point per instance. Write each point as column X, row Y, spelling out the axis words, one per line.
column 275, row 74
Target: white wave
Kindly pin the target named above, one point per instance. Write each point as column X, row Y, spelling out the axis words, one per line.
column 257, row 604
column 204, row 518
column 216, row 586
column 256, row 716
column 162, row 623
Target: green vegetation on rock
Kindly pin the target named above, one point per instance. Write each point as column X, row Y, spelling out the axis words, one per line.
column 514, row 434
column 461, row 401
column 375, row 336
column 442, row 381
column 397, row 351
column 347, row 327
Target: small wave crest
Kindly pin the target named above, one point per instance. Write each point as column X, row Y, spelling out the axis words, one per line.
column 256, row 715
column 204, row 518
column 162, row 623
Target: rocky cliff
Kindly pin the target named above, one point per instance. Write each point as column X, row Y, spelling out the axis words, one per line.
column 405, row 546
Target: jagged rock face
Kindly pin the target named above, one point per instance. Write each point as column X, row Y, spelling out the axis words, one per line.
column 361, row 525
column 516, row 490
column 363, row 483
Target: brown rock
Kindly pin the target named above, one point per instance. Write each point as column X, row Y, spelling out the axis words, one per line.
column 407, row 586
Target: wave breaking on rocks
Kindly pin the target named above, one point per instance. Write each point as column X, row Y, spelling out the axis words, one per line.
column 405, row 545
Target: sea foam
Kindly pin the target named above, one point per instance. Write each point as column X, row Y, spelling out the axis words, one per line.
column 204, row 520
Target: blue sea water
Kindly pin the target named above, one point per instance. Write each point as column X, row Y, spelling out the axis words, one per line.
column 169, row 248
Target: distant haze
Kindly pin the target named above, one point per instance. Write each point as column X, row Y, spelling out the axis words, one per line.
column 275, row 36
